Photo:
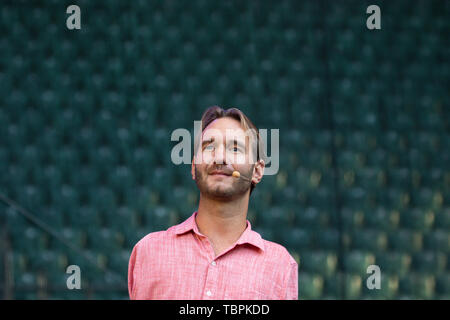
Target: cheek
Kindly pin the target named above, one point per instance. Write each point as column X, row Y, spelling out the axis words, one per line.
column 200, row 171
column 207, row 157
column 237, row 158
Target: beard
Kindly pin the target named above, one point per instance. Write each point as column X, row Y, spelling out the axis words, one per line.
column 236, row 189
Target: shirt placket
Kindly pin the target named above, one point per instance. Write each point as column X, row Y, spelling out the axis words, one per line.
column 212, row 271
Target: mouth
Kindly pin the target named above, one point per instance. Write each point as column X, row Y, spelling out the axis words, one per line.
column 219, row 173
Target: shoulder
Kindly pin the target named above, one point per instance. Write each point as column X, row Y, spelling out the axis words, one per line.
column 278, row 253
column 153, row 240
column 160, row 240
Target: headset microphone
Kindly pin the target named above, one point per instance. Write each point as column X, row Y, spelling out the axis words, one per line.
column 238, row 175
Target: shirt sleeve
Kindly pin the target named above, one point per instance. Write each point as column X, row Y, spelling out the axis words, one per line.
column 292, row 285
column 131, row 280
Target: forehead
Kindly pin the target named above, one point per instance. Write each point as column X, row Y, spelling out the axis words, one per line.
column 221, row 126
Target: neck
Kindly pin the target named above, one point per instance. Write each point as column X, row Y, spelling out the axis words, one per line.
column 220, row 221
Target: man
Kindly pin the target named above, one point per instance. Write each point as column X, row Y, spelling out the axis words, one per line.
column 214, row 254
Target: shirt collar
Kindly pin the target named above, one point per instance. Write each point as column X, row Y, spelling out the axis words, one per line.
column 248, row 236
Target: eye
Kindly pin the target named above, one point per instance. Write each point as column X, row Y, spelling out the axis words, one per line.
column 209, row 147
column 236, row 149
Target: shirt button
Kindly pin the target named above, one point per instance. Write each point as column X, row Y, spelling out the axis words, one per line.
column 213, row 263
column 209, row 293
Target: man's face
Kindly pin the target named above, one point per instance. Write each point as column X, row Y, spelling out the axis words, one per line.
column 224, row 148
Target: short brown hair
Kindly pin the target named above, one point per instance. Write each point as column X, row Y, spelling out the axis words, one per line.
column 216, row 112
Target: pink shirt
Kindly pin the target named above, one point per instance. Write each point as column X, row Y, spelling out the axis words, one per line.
column 180, row 264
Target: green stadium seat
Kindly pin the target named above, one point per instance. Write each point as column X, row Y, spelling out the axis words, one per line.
column 122, row 219
column 351, row 160
column 389, row 286
column 417, row 285
column 429, row 262
column 66, row 199
column 312, row 218
column 29, row 240
column 369, row 240
column 437, row 240
column 399, row 178
column 104, row 240
column 52, row 217
column 87, row 176
column 393, row 262
column 103, row 199
column 419, row 160
column 377, row 158
column 406, row 241
column 433, row 178
column 327, row 239
column 310, row 286
column 121, row 179
column 158, row 218
column 275, row 216
column 443, row 284
column 76, row 237
column 371, row 179
column 298, row 238
column 443, row 219
column 19, row 262
column 353, row 284
column 351, row 219
column 429, row 199
column 132, row 236
column 323, row 263
column 15, row 222
column 52, row 265
column 356, row 262
column 25, row 281
column 382, row 219
column 266, row 232
column 397, row 198
column 118, row 261
column 333, row 286
column 69, row 294
column 320, row 198
column 92, row 265
column 417, row 219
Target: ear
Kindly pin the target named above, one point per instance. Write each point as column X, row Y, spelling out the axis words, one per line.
column 258, row 171
column 193, row 168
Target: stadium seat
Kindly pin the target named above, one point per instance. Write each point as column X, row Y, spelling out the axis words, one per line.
column 389, row 286
column 369, row 240
column 382, row 219
column 297, row 238
column 353, row 286
column 333, row 287
column 417, row 285
column 443, row 285
column 327, row 239
column 310, row 286
column 429, row 262
column 393, row 262
column 417, row 219
column 323, row 263
column 437, row 240
column 356, row 262
column 406, row 241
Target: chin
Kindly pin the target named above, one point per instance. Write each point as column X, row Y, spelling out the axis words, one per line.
column 221, row 192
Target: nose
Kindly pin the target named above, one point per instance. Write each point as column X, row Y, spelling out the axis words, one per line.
column 220, row 155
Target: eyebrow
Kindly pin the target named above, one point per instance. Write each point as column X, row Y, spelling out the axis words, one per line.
column 234, row 142
column 205, row 142
column 239, row 143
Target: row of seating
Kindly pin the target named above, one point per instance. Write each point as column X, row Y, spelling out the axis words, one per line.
column 392, row 286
